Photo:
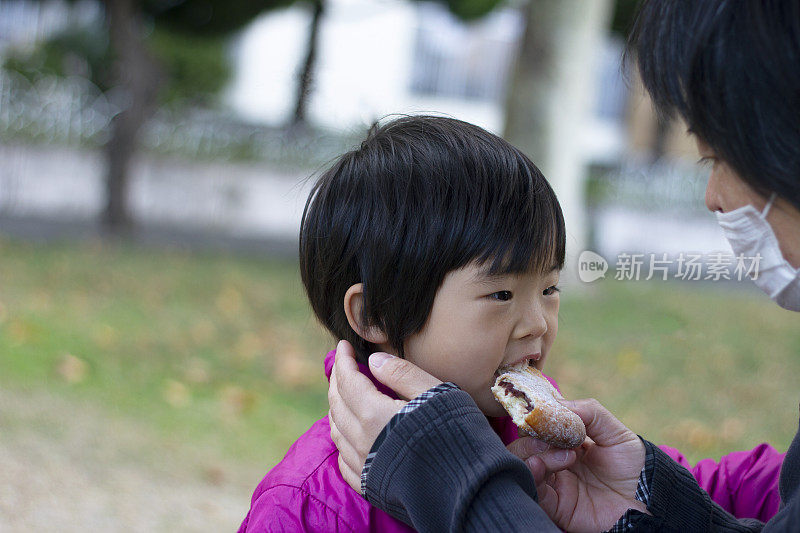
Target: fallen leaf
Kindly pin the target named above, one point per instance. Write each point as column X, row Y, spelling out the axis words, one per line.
column 247, row 346
column 237, row 401
column 176, row 393
column 72, row 369
column 203, row 331
column 196, row 371
column 292, row 370
column 629, row 362
column 104, row 336
column 229, row 301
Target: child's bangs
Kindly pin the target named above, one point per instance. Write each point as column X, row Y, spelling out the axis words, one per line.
column 532, row 241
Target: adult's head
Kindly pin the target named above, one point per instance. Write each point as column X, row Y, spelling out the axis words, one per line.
column 421, row 197
column 731, row 70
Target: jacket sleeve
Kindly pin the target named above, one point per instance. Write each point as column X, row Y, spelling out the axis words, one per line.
column 677, row 503
column 288, row 508
column 743, row 483
column 442, row 468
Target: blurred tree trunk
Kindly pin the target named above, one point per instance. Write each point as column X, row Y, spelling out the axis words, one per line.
column 532, row 82
column 139, row 76
column 307, row 73
column 549, row 100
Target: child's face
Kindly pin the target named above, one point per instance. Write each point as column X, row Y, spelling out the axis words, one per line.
column 480, row 323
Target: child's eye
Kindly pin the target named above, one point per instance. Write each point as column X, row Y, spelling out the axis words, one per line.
column 502, row 296
column 552, row 289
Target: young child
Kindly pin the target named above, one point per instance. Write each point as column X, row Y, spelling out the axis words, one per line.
column 436, row 241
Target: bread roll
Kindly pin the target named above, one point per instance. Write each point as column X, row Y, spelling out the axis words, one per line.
column 531, row 401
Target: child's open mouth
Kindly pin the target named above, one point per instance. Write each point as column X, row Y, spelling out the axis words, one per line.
column 528, row 360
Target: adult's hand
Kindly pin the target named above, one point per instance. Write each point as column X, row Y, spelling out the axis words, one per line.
column 358, row 411
column 541, row 460
column 590, row 488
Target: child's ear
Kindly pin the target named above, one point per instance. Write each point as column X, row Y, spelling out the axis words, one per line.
column 353, row 304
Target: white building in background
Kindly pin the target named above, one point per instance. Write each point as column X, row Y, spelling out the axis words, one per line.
column 396, row 56
column 376, row 58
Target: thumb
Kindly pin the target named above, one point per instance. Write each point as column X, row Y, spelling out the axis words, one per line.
column 601, row 426
column 403, row 377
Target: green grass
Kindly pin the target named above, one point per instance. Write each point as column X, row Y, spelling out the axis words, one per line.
column 223, row 351
column 698, row 367
column 206, row 348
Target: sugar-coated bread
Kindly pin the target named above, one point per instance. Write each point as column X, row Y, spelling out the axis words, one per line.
column 531, row 401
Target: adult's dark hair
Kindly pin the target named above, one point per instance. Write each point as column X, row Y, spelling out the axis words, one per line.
column 422, row 196
column 731, row 69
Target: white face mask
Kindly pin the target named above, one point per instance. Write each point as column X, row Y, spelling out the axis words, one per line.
column 750, row 235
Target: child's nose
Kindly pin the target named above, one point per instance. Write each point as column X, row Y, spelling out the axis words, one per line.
column 532, row 323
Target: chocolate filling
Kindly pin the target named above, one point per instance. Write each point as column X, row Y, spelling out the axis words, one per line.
column 513, row 391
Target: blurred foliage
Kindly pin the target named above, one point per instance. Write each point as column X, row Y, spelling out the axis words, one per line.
column 469, row 10
column 207, row 17
column 197, row 66
column 672, row 186
column 77, row 51
column 186, row 37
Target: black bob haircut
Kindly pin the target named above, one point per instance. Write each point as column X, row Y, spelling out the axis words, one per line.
column 422, row 196
column 731, row 69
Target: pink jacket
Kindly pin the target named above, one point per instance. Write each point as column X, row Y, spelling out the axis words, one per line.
column 743, row 483
column 306, row 492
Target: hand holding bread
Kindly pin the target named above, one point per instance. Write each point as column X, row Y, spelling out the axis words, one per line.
column 533, row 404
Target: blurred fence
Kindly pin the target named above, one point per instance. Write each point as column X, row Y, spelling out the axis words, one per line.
column 219, row 173
column 70, row 111
column 74, row 112
column 246, row 179
column 668, row 184
column 641, row 206
column 464, row 61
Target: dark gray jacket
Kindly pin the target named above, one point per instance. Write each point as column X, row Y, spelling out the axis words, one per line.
column 442, row 468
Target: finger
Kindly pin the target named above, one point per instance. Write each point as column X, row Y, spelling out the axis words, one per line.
column 351, row 455
column 537, row 468
column 337, row 407
column 525, row 447
column 403, row 377
column 350, row 439
column 345, row 365
column 351, row 477
column 349, row 458
column 345, row 423
column 333, row 389
column 336, row 436
column 556, row 459
column 338, row 411
column 353, row 388
column 601, row 426
column 548, row 498
column 561, row 497
column 357, row 407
